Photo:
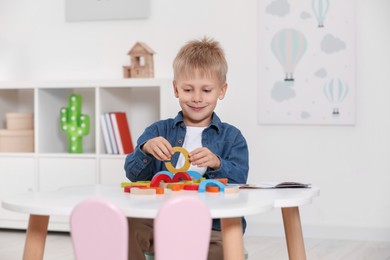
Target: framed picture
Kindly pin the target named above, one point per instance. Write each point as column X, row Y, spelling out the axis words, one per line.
column 306, row 62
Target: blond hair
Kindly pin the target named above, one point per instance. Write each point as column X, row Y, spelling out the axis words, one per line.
column 205, row 56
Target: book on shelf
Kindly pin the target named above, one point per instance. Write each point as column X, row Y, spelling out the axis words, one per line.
column 106, row 135
column 122, row 132
column 110, row 130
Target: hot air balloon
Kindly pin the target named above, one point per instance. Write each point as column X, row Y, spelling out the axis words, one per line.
column 288, row 46
column 320, row 9
column 335, row 91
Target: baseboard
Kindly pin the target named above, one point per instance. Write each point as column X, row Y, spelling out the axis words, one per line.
column 256, row 228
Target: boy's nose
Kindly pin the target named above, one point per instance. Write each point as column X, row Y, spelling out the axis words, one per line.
column 197, row 97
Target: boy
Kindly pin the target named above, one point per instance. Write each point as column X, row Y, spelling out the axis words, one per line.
column 216, row 149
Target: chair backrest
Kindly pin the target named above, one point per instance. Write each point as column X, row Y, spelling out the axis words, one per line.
column 99, row 230
column 182, row 229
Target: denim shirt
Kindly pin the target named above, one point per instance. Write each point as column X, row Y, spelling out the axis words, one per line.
column 223, row 139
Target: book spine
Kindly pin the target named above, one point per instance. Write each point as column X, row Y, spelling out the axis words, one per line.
column 116, row 133
column 106, row 137
column 111, row 133
column 124, row 132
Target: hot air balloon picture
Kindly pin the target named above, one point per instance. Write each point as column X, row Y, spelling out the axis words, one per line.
column 288, row 46
column 335, row 92
column 320, row 9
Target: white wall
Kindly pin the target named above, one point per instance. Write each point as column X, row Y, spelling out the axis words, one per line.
column 351, row 165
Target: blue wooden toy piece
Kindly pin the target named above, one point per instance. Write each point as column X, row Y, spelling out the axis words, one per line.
column 210, row 182
column 194, row 175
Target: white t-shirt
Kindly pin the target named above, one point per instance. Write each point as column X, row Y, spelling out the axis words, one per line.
column 192, row 140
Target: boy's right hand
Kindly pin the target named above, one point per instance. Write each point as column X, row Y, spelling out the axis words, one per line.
column 158, row 147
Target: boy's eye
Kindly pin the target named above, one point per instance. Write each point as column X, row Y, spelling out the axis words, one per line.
column 186, row 89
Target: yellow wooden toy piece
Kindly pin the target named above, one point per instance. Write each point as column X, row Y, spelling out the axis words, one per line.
column 186, row 165
column 136, row 183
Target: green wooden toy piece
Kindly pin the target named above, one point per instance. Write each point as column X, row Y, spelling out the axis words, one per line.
column 74, row 124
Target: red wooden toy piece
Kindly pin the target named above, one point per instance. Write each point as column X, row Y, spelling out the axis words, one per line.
column 128, row 188
column 158, row 178
column 191, row 187
column 181, row 176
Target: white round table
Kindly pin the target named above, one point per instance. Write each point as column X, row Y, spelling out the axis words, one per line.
column 228, row 207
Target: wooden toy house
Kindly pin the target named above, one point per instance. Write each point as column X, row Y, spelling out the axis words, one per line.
column 141, row 62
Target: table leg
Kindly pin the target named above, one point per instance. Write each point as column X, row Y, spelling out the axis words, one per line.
column 293, row 230
column 233, row 244
column 36, row 237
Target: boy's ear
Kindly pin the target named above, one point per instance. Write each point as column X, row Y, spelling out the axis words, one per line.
column 175, row 89
column 223, row 91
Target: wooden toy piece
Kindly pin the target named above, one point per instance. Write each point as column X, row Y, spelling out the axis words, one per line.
column 163, row 185
column 128, row 188
column 191, row 187
column 159, row 190
column 232, row 189
column 211, row 182
column 158, row 178
column 74, row 123
column 222, row 180
column 194, row 175
column 177, row 187
column 212, row 189
column 141, row 62
column 199, row 180
column 143, row 191
column 125, row 184
column 186, row 165
column 166, row 173
column 179, row 176
column 136, row 183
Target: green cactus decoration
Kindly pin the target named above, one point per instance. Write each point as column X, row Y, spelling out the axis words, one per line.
column 74, row 124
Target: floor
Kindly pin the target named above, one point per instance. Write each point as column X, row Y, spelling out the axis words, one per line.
column 59, row 247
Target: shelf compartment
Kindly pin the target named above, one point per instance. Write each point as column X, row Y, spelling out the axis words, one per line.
column 16, row 176
column 50, row 101
column 15, row 100
column 141, row 104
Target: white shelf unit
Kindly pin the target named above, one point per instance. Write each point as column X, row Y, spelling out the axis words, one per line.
column 50, row 166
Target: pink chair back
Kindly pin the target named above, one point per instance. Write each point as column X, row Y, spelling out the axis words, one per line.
column 182, row 230
column 99, row 231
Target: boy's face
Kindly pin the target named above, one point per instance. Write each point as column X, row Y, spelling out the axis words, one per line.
column 198, row 97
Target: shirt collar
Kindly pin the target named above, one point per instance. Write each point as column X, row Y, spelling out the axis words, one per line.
column 215, row 121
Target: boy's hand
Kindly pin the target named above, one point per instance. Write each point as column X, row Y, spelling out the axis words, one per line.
column 203, row 157
column 158, row 147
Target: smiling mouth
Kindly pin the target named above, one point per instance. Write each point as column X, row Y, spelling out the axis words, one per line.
column 196, row 108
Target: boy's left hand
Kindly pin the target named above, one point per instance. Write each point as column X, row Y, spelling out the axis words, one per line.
column 203, row 157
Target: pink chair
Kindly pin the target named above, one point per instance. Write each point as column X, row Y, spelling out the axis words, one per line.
column 99, row 231
column 182, row 230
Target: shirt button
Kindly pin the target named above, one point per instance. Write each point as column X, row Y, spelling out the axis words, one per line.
column 145, row 160
column 180, row 141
